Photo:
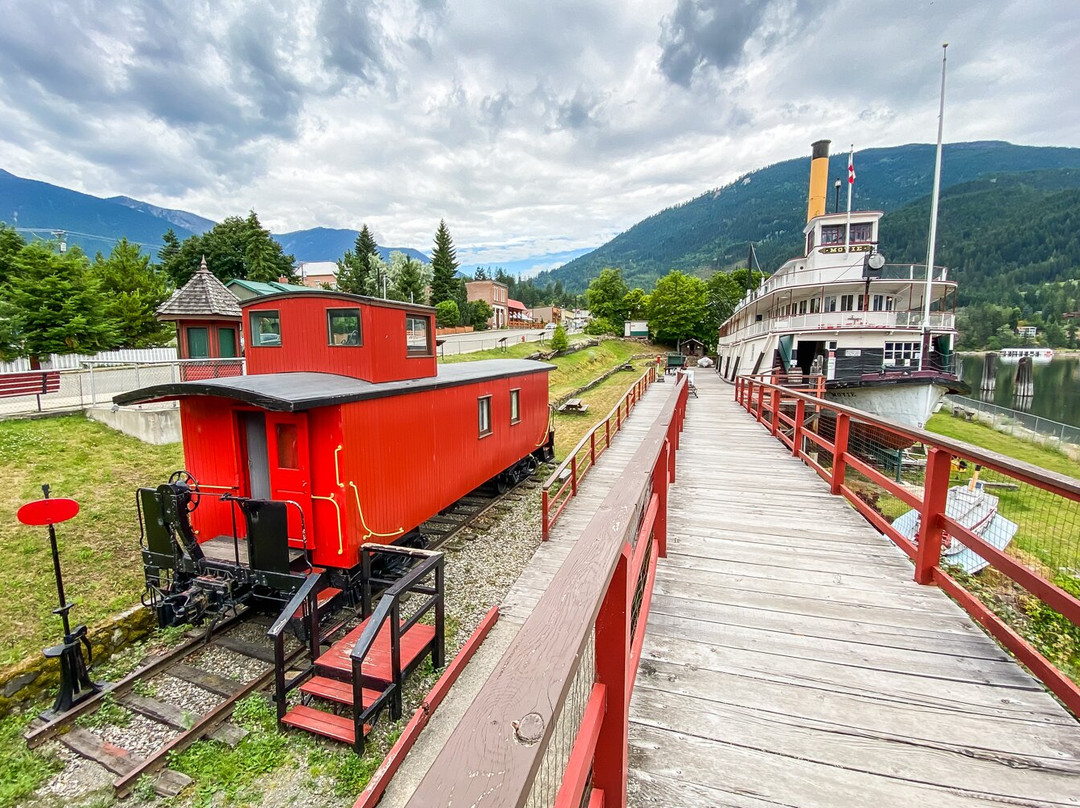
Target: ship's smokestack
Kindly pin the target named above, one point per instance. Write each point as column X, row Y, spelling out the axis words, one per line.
column 819, row 179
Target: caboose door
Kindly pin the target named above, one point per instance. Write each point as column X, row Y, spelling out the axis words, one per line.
column 290, row 468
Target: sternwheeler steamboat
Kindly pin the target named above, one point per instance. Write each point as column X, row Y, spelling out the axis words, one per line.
column 841, row 312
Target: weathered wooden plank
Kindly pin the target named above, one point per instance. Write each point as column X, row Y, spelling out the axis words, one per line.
column 173, row 716
column 836, row 743
column 736, row 769
column 250, row 649
column 944, row 696
column 168, row 783
column 215, row 683
column 994, row 735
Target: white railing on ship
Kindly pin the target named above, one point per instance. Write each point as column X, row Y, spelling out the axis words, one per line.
column 846, row 319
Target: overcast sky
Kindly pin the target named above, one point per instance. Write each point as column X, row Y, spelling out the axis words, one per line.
column 531, row 127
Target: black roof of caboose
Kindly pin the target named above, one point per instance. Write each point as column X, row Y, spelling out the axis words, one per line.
column 295, row 392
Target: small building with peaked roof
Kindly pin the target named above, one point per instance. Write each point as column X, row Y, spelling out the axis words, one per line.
column 207, row 317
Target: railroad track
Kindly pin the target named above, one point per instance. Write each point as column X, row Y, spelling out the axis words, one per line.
column 129, row 693
column 188, row 728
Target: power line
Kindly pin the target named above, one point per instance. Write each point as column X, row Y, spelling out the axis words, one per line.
column 109, row 239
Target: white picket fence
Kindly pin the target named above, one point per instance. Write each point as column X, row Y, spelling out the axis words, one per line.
column 74, row 361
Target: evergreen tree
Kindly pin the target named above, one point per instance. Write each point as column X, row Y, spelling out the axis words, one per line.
column 52, row 304
column 443, row 267
column 228, row 248
column 409, row 279
column 133, row 290
column 10, row 244
column 351, row 275
column 170, row 248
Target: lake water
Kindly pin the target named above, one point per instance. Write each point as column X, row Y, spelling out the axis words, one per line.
column 1057, row 387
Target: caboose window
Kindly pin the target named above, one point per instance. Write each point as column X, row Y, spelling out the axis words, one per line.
column 343, row 326
column 484, row 415
column 265, row 329
column 417, row 336
column 288, row 457
column 515, row 406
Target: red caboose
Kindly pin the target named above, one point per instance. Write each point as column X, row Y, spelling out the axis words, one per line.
column 345, row 414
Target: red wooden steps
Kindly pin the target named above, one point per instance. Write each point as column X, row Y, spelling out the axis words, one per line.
column 336, row 690
column 338, row 727
column 321, row 599
column 377, row 665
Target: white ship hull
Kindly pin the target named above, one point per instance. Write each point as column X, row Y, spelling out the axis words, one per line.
column 909, row 404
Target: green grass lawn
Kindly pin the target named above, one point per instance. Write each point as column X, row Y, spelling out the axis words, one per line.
column 99, row 548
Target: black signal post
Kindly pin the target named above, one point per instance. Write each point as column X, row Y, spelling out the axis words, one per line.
column 75, row 683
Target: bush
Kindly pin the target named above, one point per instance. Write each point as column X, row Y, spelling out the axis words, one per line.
column 600, row 325
column 447, row 314
column 559, row 342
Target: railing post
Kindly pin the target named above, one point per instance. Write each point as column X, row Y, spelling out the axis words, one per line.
column 607, row 431
column 935, row 494
column 592, row 448
column 760, row 401
column 796, row 436
column 573, row 475
column 774, row 404
column 611, row 759
column 660, row 486
column 545, row 527
column 840, row 443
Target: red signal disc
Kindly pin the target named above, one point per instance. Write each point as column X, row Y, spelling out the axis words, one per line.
column 48, row 511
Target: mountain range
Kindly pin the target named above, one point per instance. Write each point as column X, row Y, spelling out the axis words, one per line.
column 768, row 207
column 40, row 209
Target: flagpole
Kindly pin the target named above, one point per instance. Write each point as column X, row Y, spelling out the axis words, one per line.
column 850, row 183
column 933, row 218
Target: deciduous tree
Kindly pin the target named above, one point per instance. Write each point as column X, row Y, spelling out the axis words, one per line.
column 605, row 296
column 678, row 308
column 235, row 248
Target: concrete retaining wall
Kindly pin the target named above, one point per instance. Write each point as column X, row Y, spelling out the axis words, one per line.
column 151, row 423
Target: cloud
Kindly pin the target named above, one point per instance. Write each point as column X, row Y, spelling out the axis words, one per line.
column 532, row 128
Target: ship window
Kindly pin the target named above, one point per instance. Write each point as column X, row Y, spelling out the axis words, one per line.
column 809, row 242
column 343, row 326
column 879, row 302
column 815, row 305
column 515, row 406
column 862, row 232
column 830, row 303
column 847, row 302
column 802, row 306
column 901, row 354
column 417, row 335
column 832, row 234
column 484, row 415
column 888, row 303
column 265, row 329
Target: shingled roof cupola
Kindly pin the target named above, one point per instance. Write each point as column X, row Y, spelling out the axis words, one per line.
column 207, row 317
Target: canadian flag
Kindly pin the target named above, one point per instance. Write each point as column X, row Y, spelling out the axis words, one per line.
column 851, row 168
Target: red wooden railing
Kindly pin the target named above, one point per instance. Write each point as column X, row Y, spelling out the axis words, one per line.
column 562, row 485
column 786, row 413
column 572, row 664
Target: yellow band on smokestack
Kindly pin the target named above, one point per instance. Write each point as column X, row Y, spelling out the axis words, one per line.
column 819, row 179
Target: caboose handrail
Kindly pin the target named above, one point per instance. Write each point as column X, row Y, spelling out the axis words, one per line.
column 570, row 471
column 848, row 452
column 306, row 603
column 388, row 610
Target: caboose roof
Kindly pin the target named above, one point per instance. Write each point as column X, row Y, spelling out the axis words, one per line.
column 295, row 392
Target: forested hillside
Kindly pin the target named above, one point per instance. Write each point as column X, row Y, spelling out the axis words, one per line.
column 768, row 207
column 997, row 235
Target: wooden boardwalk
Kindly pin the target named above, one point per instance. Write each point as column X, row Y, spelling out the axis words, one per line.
column 526, row 591
column 790, row 659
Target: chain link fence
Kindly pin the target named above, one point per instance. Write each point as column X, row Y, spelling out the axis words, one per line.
column 1014, row 422
column 98, row 381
